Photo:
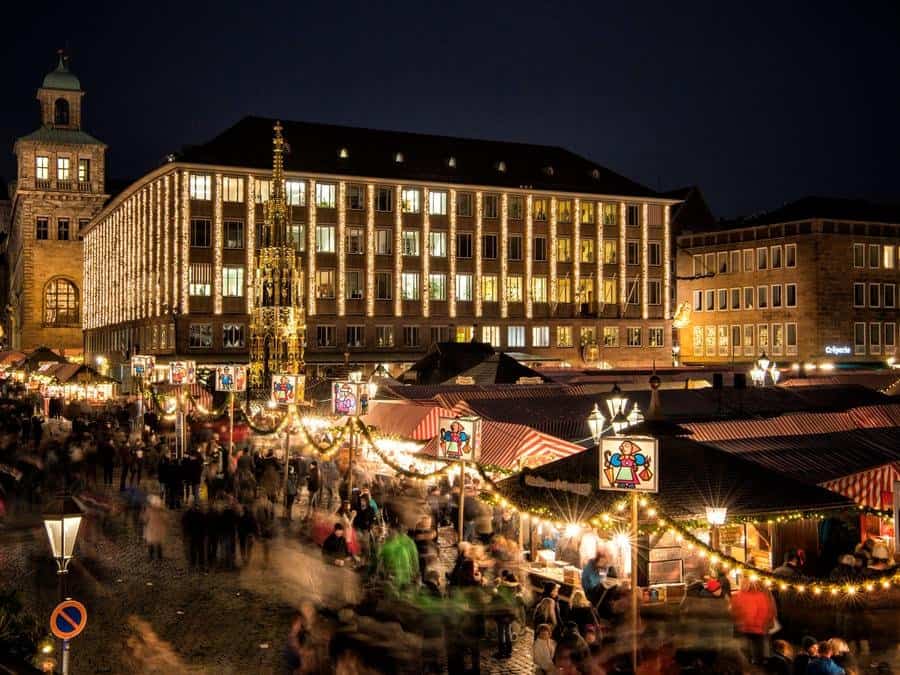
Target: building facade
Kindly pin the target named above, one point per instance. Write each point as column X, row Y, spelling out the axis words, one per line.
column 58, row 189
column 404, row 239
column 814, row 282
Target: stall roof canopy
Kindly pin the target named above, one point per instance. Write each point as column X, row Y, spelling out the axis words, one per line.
column 73, row 373
column 43, row 355
column 872, row 488
column 692, row 476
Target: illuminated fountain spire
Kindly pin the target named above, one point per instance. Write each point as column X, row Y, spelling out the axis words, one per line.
column 278, row 320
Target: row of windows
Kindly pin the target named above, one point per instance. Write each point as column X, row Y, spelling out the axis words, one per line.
column 880, row 338
column 745, row 260
column 200, row 336
column 233, row 230
column 355, row 336
column 777, row 339
column 875, row 256
column 63, row 168
column 63, row 230
column 200, row 186
column 200, row 280
column 879, row 295
column 748, row 297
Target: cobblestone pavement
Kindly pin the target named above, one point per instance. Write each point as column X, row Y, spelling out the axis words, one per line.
column 159, row 617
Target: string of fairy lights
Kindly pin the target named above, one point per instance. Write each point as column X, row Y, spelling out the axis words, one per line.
column 325, row 438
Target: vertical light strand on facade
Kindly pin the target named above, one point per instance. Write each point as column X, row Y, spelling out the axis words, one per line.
column 311, row 248
column 551, row 241
column 398, row 253
column 426, row 254
column 575, row 257
column 146, row 252
column 529, row 255
column 160, row 250
column 217, row 246
column 598, row 258
column 166, row 227
column 342, row 249
column 645, row 283
column 370, row 250
column 623, row 282
column 667, row 265
column 504, row 255
column 250, row 241
column 451, row 259
column 185, row 243
column 479, row 253
column 176, row 241
column 132, row 243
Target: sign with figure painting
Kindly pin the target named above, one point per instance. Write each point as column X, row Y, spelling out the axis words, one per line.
column 629, row 464
column 459, row 438
column 231, row 378
column 287, row 389
column 183, row 372
column 349, row 398
column 142, row 366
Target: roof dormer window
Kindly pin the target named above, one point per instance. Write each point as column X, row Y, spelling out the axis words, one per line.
column 549, row 170
column 501, row 166
column 398, row 158
column 595, row 174
column 451, row 162
column 343, row 153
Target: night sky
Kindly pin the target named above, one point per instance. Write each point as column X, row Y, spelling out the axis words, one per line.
column 758, row 104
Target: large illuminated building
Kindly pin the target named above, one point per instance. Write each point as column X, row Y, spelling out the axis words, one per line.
column 58, row 189
column 403, row 240
column 813, row 282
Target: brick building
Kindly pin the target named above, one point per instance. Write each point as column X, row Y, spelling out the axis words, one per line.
column 59, row 188
column 814, row 281
column 405, row 240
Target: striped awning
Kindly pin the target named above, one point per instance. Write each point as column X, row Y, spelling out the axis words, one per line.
column 872, row 488
column 418, row 421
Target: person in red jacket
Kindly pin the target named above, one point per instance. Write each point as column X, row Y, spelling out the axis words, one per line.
column 753, row 611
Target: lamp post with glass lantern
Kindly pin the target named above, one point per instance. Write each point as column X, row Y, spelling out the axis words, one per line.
column 715, row 516
column 62, row 519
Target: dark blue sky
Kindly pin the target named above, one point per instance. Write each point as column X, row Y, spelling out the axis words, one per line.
column 757, row 103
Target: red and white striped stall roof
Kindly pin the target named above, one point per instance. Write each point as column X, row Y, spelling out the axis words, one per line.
column 872, row 488
column 407, row 419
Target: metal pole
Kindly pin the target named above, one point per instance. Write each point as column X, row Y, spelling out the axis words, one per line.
column 287, row 462
column 462, row 496
column 65, row 657
column 635, row 611
column 231, row 425
column 353, row 437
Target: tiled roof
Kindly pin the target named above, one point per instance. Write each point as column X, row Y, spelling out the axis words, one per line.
column 69, row 136
column 316, row 148
column 828, row 208
column 691, row 477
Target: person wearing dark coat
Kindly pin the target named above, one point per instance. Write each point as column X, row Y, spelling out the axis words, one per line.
column 334, row 548
column 107, row 454
column 313, row 487
column 193, row 524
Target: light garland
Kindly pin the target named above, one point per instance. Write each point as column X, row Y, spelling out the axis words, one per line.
column 341, row 249
column 217, row 245
column 667, row 265
column 250, row 242
column 311, row 248
column 622, row 248
column 451, row 250
column 504, row 255
column 370, row 249
column 575, row 258
column 426, row 258
column 529, row 254
column 479, row 253
column 551, row 244
column 645, row 260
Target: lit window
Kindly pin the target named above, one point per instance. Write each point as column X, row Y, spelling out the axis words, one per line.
column 539, row 289
column 489, row 288
column 437, row 203
column 748, row 338
column 411, row 200
column 463, row 334
column 762, row 334
column 514, row 288
column 587, row 212
column 325, row 238
column 234, row 233
column 697, row 340
column 200, row 186
column 437, row 286
column 697, row 298
column 633, row 336
column 325, row 195
column 410, row 242
column 383, row 242
column 409, row 286
column 515, row 336
column 515, row 205
column 464, row 287
column 200, row 336
column 587, row 250
column 232, row 189
column 888, row 258
column 563, row 336
column 233, row 281
column 610, row 291
column 564, row 211
column 263, row 190
column 356, row 241
column 233, row 335
column 610, row 212
column 384, row 336
column 295, row 192
column 325, row 284
column 564, row 289
column 42, row 168
column 63, row 170
column 84, row 170
column 200, row 279
column 540, row 336
column 491, row 335
column 539, row 209
column 61, row 303
column 564, row 249
column 464, row 204
column 297, row 236
column 609, row 251
column 655, row 337
column 723, row 339
column 353, row 285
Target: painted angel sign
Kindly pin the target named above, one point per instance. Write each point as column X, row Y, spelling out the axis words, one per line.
column 629, row 464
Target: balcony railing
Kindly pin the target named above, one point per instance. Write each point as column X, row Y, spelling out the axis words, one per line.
column 64, row 185
column 42, row 184
column 84, row 186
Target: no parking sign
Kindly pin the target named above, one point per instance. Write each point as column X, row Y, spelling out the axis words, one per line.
column 68, row 619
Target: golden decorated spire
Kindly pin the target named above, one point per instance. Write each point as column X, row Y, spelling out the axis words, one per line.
column 276, row 207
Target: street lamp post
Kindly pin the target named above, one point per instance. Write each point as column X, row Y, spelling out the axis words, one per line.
column 62, row 518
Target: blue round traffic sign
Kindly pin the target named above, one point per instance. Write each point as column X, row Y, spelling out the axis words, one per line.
column 68, row 619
